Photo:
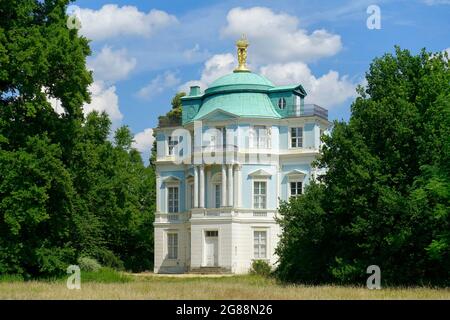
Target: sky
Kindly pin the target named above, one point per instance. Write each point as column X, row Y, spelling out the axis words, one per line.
column 143, row 52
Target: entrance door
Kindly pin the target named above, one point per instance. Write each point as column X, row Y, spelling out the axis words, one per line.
column 211, row 248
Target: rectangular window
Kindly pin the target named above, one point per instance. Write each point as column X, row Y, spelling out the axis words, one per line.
column 211, row 233
column 259, row 195
column 172, row 142
column 260, row 244
column 260, row 137
column 217, row 195
column 296, row 188
column 172, row 199
column 172, row 245
column 297, row 137
column 218, row 139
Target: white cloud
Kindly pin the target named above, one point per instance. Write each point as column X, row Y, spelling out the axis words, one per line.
column 112, row 65
column 143, row 141
column 215, row 67
column 276, row 37
column 159, row 84
column 436, row 2
column 112, row 21
column 104, row 98
column 328, row 90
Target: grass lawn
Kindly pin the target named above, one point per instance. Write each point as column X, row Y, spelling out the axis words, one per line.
column 148, row 286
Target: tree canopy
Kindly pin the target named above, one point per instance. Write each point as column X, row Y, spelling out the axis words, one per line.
column 385, row 197
column 66, row 190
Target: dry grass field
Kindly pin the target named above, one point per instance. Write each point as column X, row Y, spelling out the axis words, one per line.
column 232, row 287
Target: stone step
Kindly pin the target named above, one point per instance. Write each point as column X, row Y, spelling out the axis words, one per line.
column 210, row 270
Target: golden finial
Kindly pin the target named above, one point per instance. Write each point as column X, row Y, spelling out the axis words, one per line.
column 242, row 45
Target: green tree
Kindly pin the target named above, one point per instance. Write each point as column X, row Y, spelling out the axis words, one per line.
column 385, row 198
column 65, row 189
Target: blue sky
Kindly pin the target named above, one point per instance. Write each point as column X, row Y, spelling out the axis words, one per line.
column 143, row 52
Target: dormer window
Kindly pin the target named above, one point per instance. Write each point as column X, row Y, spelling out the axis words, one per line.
column 282, row 103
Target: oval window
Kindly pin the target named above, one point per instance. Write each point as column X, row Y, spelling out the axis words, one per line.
column 281, row 103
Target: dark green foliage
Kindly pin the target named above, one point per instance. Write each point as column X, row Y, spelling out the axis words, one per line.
column 65, row 190
column 261, row 268
column 385, row 199
column 174, row 116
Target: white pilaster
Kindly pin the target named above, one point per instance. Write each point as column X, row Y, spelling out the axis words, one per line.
column 158, row 192
column 224, row 186
column 209, row 201
column 278, row 185
column 202, row 186
column 230, row 185
column 238, row 183
column 195, row 186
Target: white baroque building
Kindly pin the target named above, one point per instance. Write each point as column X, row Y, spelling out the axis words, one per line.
column 242, row 147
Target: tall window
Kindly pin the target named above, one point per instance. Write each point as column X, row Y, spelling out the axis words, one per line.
column 217, row 195
column 260, row 244
column 172, row 142
column 297, row 137
column 172, row 199
column 217, row 138
column 296, row 188
column 172, row 245
column 260, row 136
column 260, row 195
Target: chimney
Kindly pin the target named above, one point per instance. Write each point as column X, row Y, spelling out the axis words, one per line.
column 195, row 91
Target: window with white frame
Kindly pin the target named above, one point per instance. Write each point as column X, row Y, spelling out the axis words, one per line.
column 260, row 137
column 217, row 195
column 259, row 194
column 172, row 245
column 171, row 143
column 295, row 188
column 297, row 137
column 260, row 244
column 172, row 199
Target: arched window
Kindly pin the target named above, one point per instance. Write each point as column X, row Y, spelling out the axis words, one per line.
column 281, row 103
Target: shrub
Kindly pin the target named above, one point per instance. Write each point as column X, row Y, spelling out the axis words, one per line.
column 88, row 264
column 261, row 267
column 108, row 259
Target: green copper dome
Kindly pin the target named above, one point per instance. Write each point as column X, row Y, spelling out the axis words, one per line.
column 240, row 104
column 240, row 80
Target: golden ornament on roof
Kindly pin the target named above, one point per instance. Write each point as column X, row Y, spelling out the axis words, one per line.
column 242, row 45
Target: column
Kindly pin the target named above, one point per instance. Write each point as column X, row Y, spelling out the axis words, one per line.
column 195, row 186
column 278, row 185
column 209, row 200
column 238, row 193
column 202, row 186
column 230, row 185
column 158, row 192
column 224, row 187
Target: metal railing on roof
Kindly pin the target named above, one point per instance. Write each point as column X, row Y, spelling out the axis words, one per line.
column 307, row 110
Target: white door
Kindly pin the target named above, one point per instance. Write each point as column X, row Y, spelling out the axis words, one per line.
column 211, row 249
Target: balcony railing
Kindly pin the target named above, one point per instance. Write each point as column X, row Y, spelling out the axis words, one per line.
column 216, row 148
column 307, row 110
